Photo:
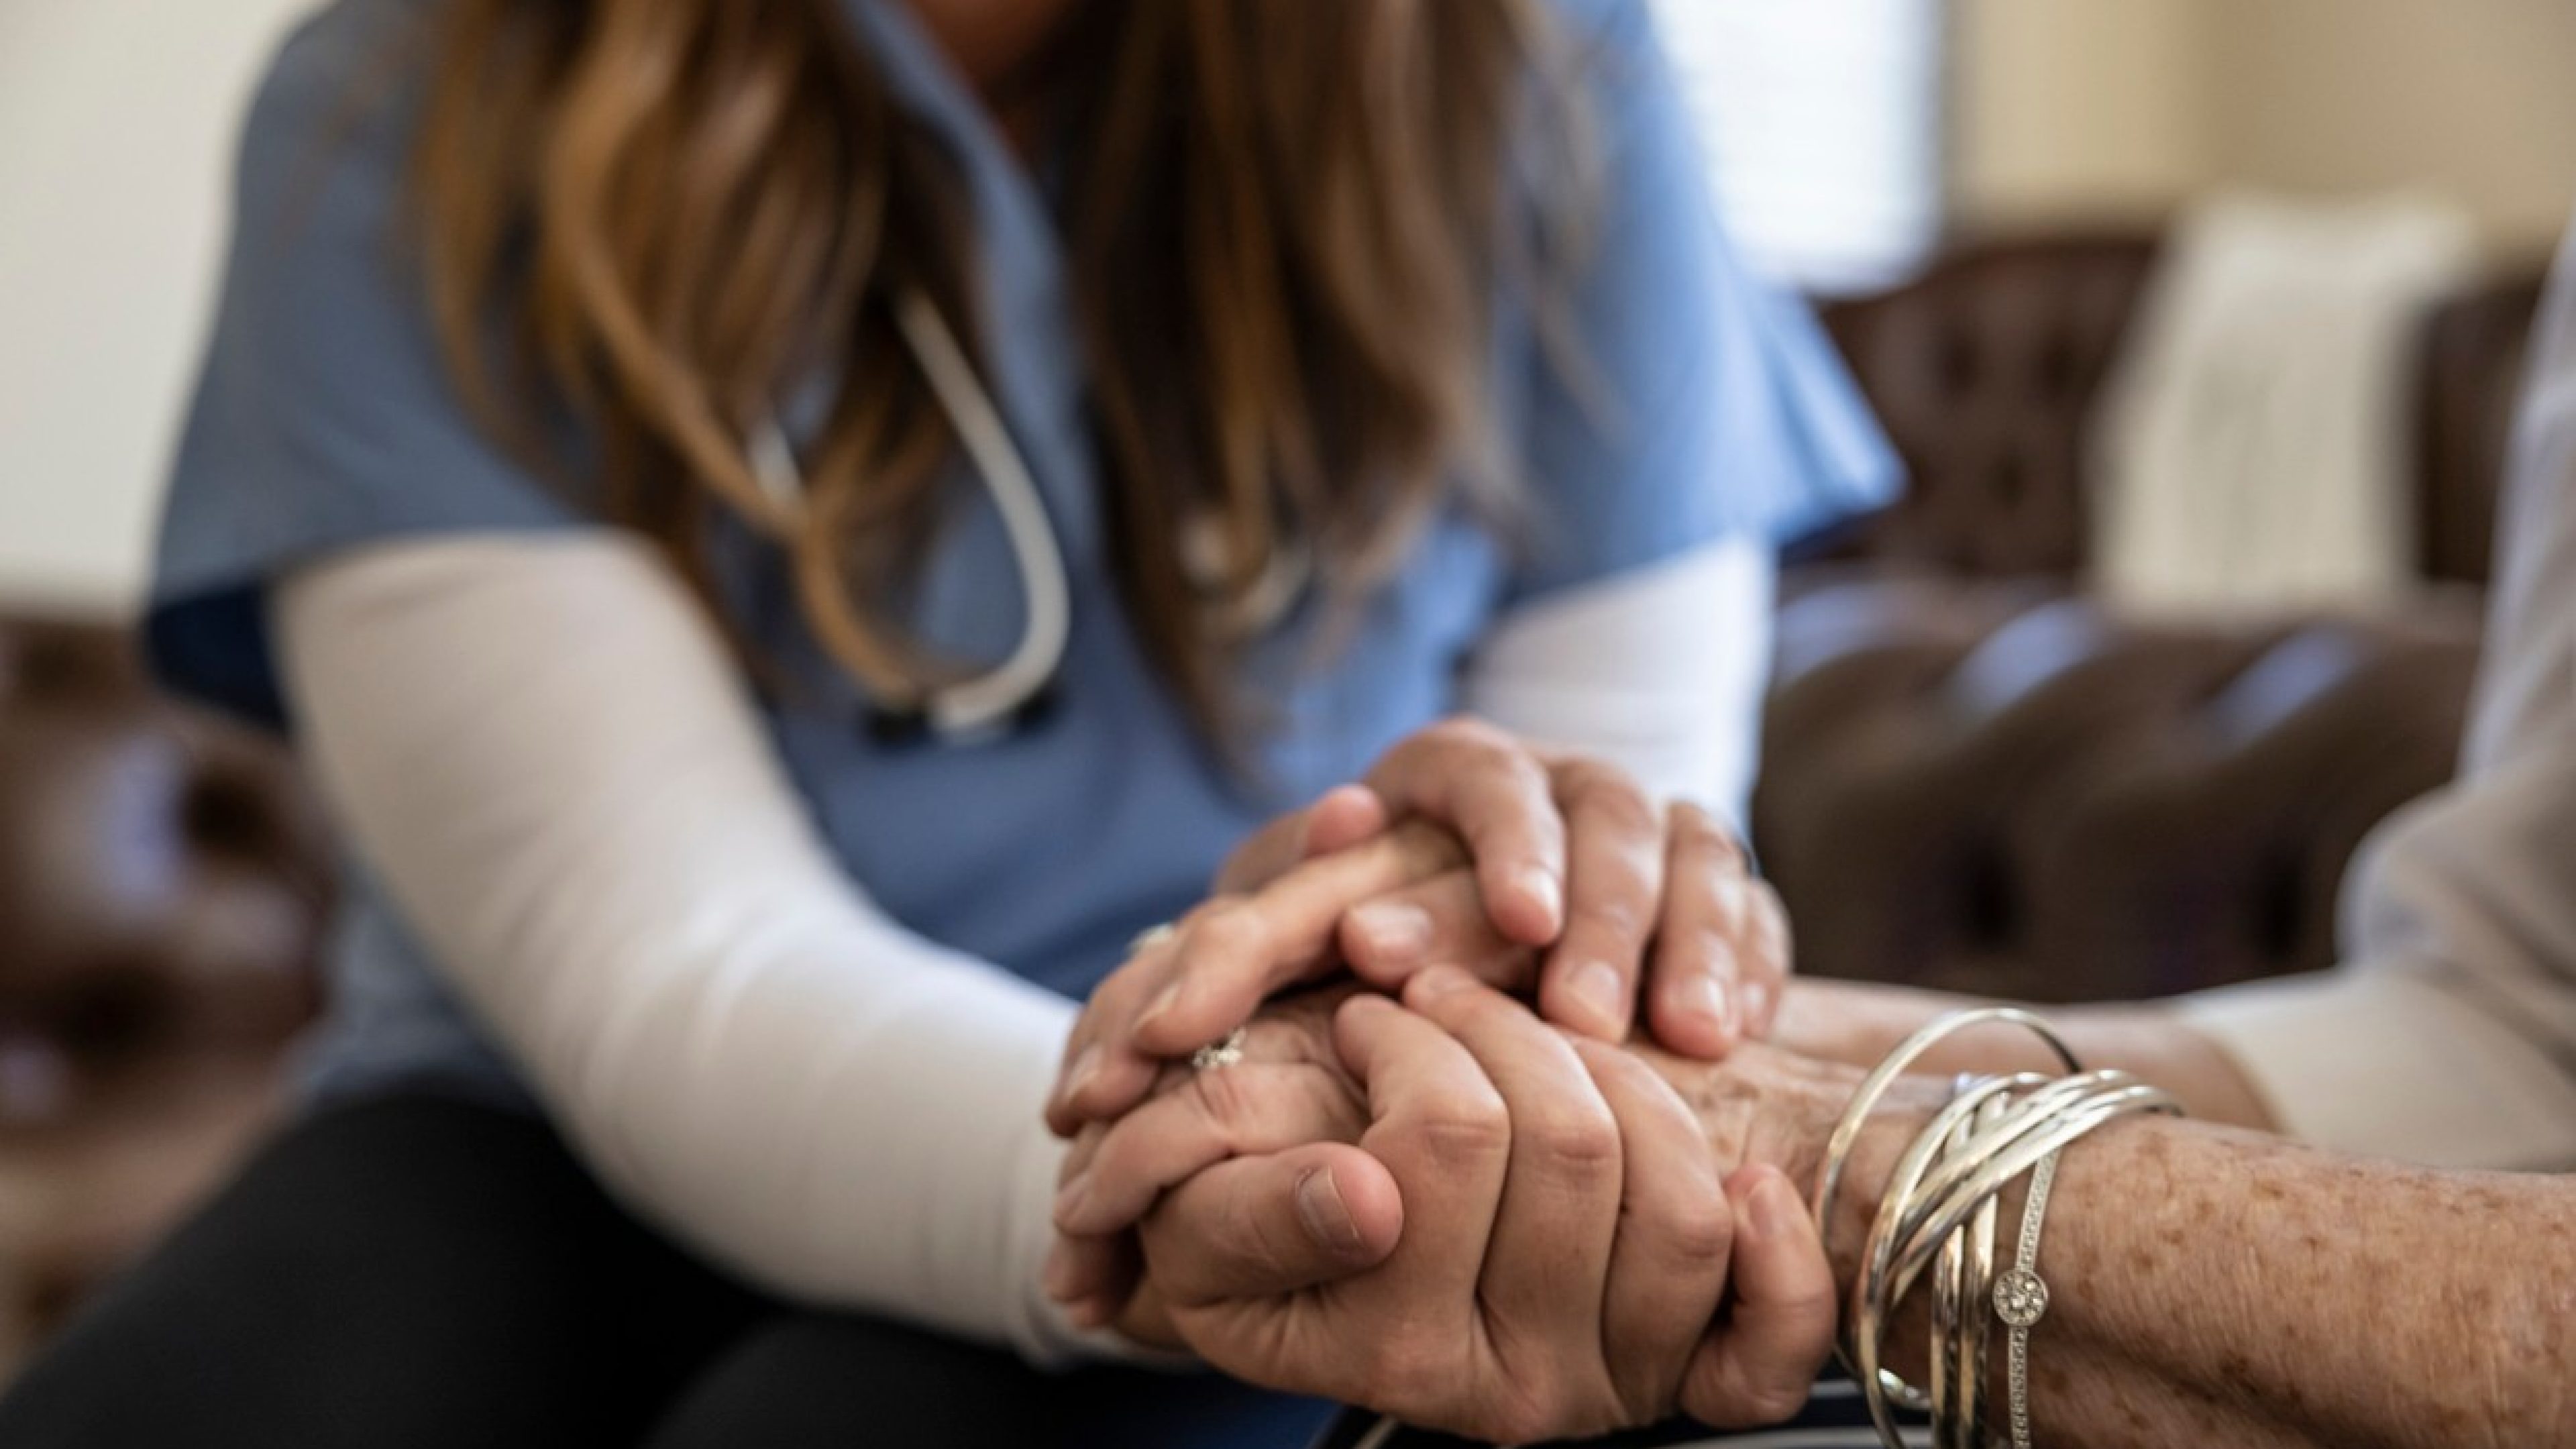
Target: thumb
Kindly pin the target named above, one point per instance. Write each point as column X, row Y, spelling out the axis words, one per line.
column 1342, row 816
column 1758, row 1365
column 1264, row 1226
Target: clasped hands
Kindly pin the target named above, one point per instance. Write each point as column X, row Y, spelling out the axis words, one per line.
column 1418, row 1194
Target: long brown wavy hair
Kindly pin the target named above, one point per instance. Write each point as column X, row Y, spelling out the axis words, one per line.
column 1290, row 222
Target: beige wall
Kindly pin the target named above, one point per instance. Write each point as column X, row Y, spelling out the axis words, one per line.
column 2071, row 108
column 2067, row 109
column 117, row 120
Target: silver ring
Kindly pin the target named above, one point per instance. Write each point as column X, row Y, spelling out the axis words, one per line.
column 1151, row 937
column 1219, row 1053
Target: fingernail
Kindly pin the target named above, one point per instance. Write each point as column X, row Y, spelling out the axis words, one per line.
column 1705, row 998
column 1327, row 1217
column 1087, row 1314
column 1085, row 1069
column 1757, row 1005
column 1069, row 1200
column 1773, row 1208
column 1160, row 1006
column 1603, row 992
column 1544, row 888
column 1437, row 982
column 1394, row 932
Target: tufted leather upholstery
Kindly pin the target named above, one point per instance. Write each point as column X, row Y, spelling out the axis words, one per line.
column 1984, row 372
column 2003, row 790
column 163, row 880
column 1975, row 778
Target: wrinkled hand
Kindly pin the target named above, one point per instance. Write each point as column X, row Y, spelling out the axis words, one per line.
column 1282, row 933
column 1562, row 1240
column 1289, row 1097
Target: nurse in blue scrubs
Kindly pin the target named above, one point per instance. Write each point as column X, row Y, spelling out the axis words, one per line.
column 605, row 620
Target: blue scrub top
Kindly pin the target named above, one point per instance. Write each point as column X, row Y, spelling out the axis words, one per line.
column 324, row 419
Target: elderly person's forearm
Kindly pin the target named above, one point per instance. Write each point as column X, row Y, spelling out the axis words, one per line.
column 2214, row 1286
column 1858, row 1024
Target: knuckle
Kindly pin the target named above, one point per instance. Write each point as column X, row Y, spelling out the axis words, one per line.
column 1221, row 932
column 1570, row 1140
column 1711, row 845
column 1697, row 1234
column 1614, row 799
column 1464, row 1128
column 1619, row 907
column 1118, row 1167
column 1700, row 949
column 1422, row 847
column 1464, row 731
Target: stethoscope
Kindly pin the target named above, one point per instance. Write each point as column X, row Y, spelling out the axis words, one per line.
column 991, row 700
column 1010, row 691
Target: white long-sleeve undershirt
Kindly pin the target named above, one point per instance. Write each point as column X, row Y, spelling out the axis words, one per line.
column 541, row 747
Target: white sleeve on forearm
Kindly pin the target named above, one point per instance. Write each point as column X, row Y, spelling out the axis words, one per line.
column 1659, row 671
column 542, row 748
column 2449, row 1036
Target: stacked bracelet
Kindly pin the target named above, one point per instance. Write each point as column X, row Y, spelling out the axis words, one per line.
column 1937, row 1218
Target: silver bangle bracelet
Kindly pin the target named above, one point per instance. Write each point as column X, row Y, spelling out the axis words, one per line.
column 1998, row 1170
column 1855, row 1116
column 2021, row 1300
column 1937, row 1215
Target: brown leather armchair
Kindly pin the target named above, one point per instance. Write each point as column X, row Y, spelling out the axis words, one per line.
column 1976, row 778
column 1984, row 372
column 163, row 884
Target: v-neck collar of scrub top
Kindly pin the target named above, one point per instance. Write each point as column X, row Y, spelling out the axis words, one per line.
column 1021, row 269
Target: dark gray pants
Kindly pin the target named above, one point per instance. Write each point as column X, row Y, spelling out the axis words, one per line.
column 414, row 1272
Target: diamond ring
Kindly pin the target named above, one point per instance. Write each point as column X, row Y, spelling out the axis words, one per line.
column 1219, row 1053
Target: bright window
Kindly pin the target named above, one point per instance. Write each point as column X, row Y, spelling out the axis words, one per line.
column 1823, row 121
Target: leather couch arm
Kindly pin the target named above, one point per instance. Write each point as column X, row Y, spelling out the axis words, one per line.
column 164, row 881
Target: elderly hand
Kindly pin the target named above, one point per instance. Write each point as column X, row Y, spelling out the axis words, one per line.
column 1576, row 884
column 1282, row 933
column 1564, row 1244
column 1289, row 1092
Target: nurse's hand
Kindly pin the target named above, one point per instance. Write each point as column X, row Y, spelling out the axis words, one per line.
column 1565, row 1244
column 1577, row 886
column 1619, row 895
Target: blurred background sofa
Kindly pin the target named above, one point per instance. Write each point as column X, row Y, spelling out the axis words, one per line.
column 164, row 881
column 1978, row 778
column 1975, row 776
